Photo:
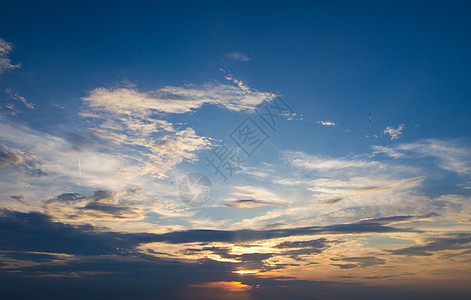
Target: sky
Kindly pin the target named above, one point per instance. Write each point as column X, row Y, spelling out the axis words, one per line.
column 235, row 150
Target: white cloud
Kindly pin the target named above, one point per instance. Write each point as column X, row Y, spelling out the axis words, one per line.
column 238, row 56
column 5, row 63
column 339, row 189
column 172, row 99
column 59, row 158
column 327, row 123
column 130, row 118
column 319, row 163
column 388, row 151
column 394, row 133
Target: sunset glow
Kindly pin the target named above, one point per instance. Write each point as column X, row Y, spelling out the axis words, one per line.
column 235, row 150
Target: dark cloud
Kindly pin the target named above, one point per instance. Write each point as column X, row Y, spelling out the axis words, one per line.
column 31, row 256
column 34, row 172
column 36, row 231
column 74, row 197
column 85, row 141
column 395, row 219
column 345, row 266
column 110, row 209
column 247, row 260
column 453, row 242
column 18, row 158
column 366, row 226
column 306, row 247
column 102, row 195
column 19, row 198
column 107, row 264
column 332, row 201
column 67, row 198
column 100, row 202
column 389, row 276
column 318, row 244
column 247, row 203
column 362, row 262
column 10, row 157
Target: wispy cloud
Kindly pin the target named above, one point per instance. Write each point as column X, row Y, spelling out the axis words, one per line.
column 238, row 56
column 394, row 133
column 16, row 96
column 388, row 151
column 5, row 62
column 130, row 118
column 451, row 155
column 320, row 163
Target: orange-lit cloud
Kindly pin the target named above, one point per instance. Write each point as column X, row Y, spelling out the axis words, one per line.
column 230, row 286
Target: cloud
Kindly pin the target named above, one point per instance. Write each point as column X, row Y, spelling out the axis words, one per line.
column 101, row 205
column 12, row 157
column 15, row 96
column 332, row 201
column 237, row 56
column 247, row 203
column 394, row 133
column 33, row 246
column 59, row 158
column 297, row 248
column 174, row 99
column 19, row 198
column 236, row 81
column 130, row 118
column 190, row 236
column 339, row 189
column 432, row 245
column 363, row 262
column 327, row 123
column 230, row 286
column 41, row 233
column 320, row 163
column 345, row 266
column 5, row 63
column 16, row 157
column 451, row 155
column 388, row 151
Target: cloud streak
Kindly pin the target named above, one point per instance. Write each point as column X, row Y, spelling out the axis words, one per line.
column 237, row 56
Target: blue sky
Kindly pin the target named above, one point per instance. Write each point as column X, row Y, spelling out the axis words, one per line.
column 105, row 108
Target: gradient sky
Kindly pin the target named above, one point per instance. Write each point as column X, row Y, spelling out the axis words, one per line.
column 361, row 189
